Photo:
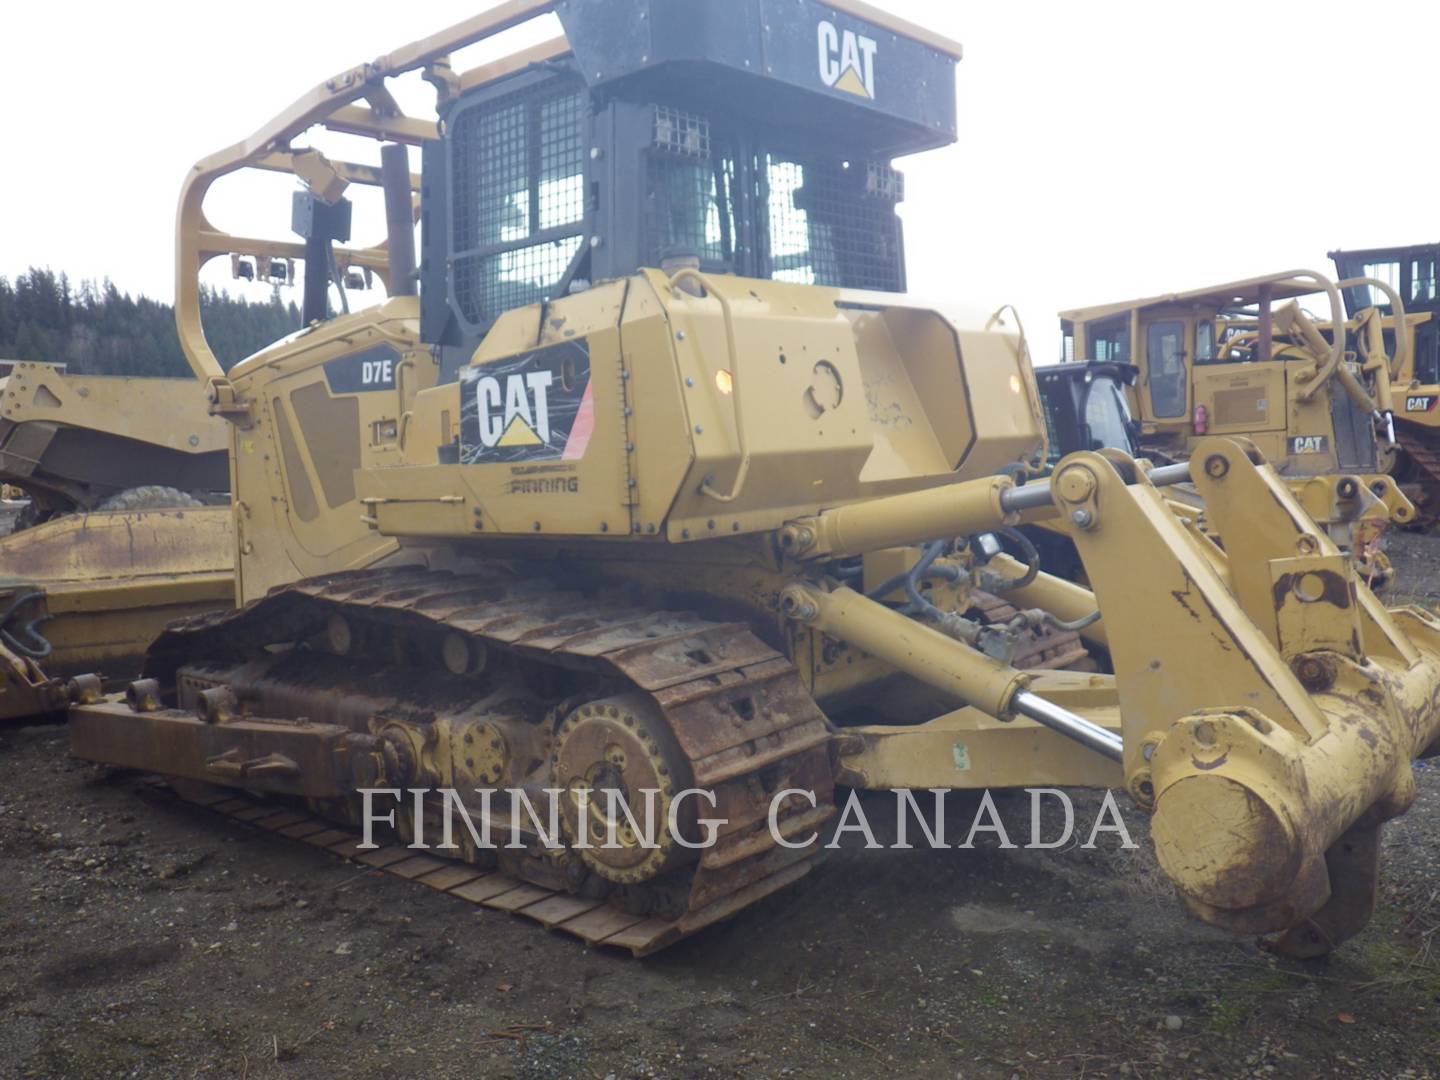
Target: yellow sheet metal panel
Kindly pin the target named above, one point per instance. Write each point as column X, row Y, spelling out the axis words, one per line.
column 312, row 408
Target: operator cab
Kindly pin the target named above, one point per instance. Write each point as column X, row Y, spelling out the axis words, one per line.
column 1413, row 271
column 1086, row 407
column 1219, row 361
column 762, row 149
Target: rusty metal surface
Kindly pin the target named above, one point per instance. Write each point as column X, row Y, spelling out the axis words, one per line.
column 81, row 549
column 109, row 582
column 25, row 690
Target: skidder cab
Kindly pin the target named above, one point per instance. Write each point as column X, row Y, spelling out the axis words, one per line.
column 691, row 496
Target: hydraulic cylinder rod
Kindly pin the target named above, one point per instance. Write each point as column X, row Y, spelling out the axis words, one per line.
column 1035, row 496
column 1097, row 738
column 937, row 660
column 962, row 509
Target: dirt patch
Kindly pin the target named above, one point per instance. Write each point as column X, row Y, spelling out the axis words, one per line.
column 147, row 938
column 1416, row 557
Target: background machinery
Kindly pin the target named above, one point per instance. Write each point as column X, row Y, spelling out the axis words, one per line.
column 661, row 483
column 1244, row 359
column 91, row 442
column 1410, row 273
column 119, row 522
column 1087, row 407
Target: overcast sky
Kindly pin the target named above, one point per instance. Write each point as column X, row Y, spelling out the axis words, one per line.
column 1107, row 150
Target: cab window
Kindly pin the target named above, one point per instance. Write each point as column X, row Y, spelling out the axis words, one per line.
column 1424, row 281
column 1165, row 361
column 1427, row 353
column 1109, row 339
column 1107, row 416
column 1204, row 341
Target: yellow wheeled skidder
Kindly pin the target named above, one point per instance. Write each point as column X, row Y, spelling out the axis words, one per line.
column 662, row 483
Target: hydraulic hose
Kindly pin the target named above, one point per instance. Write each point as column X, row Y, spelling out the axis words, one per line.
column 25, row 639
column 1032, row 561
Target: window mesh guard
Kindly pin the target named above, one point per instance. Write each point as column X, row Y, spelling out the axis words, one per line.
column 687, row 205
column 518, row 190
column 834, row 223
column 821, row 222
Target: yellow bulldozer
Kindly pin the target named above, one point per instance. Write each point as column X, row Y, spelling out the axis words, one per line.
column 647, row 477
column 119, row 522
column 1411, row 292
column 1245, row 359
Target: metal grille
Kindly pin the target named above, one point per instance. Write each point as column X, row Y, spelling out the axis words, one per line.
column 562, row 163
column 884, row 182
column 686, row 204
column 683, row 210
column 681, row 133
column 518, row 184
column 487, row 286
column 834, row 223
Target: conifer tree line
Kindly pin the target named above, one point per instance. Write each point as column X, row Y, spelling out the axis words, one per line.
column 98, row 330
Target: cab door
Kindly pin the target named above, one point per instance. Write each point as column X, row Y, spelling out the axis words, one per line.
column 1167, row 382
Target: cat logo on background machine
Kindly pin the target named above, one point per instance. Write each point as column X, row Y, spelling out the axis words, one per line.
column 847, row 60
column 533, row 407
column 1309, row 444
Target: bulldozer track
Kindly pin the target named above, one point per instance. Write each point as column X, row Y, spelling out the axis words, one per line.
column 746, row 725
column 1422, row 447
column 593, row 921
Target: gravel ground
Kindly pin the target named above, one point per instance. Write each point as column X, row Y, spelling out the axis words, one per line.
column 1416, row 557
column 147, row 938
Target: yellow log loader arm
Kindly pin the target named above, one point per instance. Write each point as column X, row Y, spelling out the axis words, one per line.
column 668, row 486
